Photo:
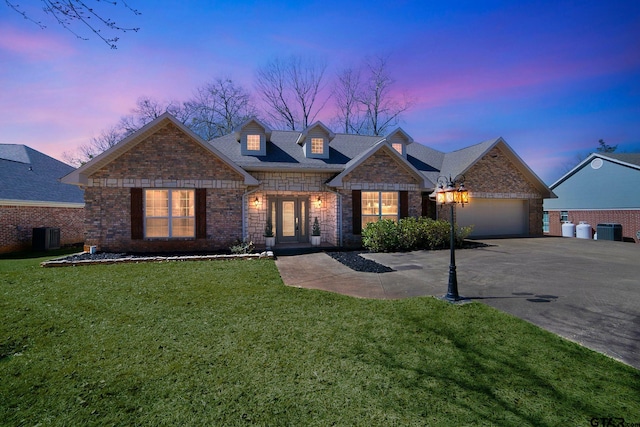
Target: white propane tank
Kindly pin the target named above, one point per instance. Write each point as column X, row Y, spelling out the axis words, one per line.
column 583, row 230
column 568, row 229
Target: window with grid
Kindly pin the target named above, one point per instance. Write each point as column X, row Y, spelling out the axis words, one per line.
column 253, row 142
column 169, row 213
column 397, row 146
column 317, row 145
column 564, row 216
column 377, row 205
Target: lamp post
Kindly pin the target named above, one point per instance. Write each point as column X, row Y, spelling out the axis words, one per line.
column 447, row 194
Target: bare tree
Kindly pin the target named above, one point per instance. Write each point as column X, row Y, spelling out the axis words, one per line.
column 218, row 108
column 382, row 110
column 364, row 101
column 85, row 152
column 346, row 93
column 146, row 110
column 290, row 89
column 69, row 12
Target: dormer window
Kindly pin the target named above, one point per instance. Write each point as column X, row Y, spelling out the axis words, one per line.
column 315, row 141
column 399, row 139
column 253, row 136
column 317, row 145
column 253, row 142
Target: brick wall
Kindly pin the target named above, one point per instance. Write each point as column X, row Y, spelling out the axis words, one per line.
column 629, row 219
column 166, row 159
column 494, row 176
column 17, row 223
column 380, row 172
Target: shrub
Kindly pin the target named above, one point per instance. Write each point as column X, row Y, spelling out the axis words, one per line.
column 381, row 236
column 242, row 247
column 411, row 234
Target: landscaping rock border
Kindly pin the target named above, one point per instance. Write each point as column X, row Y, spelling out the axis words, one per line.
column 85, row 258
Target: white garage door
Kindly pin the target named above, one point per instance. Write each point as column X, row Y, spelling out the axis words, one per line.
column 495, row 217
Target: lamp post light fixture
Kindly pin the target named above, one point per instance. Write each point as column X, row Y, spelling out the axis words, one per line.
column 448, row 194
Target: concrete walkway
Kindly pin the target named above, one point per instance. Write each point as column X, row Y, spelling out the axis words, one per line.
column 586, row 291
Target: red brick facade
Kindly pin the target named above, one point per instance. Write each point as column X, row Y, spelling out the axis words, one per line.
column 380, row 172
column 17, row 223
column 166, row 159
column 495, row 176
column 629, row 219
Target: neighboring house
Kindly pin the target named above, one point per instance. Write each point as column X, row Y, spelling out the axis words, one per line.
column 165, row 189
column 602, row 189
column 32, row 196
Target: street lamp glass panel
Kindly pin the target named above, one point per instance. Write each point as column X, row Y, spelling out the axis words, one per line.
column 450, row 196
column 464, row 196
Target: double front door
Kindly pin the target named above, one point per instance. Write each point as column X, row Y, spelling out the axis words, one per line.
column 291, row 219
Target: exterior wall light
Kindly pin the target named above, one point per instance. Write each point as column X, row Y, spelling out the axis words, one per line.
column 447, row 194
column 256, row 202
column 318, row 202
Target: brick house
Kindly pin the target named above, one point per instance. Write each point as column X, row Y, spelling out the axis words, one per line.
column 165, row 189
column 596, row 192
column 31, row 196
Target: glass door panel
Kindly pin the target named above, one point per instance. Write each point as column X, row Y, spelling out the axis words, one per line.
column 288, row 218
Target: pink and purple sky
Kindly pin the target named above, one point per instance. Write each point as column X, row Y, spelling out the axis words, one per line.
column 551, row 77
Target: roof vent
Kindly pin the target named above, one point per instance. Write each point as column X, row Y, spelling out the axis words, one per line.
column 596, row 163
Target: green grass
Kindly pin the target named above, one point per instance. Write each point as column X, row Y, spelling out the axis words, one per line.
column 226, row 343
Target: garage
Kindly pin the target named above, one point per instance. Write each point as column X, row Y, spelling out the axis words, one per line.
column 495, row 217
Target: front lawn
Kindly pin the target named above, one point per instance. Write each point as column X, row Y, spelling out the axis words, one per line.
column 226, row 343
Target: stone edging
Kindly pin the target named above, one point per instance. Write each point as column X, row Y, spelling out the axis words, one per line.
column 68, row 263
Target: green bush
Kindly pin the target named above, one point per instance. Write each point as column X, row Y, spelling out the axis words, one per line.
column 381, row 236
column 410, row 234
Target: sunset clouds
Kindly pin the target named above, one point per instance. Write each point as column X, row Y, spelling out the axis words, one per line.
column 550, row 77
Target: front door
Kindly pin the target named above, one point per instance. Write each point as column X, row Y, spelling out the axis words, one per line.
column 291, row 220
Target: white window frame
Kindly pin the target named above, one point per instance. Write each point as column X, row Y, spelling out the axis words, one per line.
column 252, row 140
column 170, row 213
column 365, row 209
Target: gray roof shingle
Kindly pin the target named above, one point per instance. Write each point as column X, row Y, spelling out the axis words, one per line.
column 29, row 175
column 633, row 158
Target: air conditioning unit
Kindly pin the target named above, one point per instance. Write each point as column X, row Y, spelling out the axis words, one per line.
column 45, row 238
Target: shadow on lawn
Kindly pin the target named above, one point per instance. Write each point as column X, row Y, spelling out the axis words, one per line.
column 494, row 382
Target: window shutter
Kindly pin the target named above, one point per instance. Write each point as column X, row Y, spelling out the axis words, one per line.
column 201, row 213
column 356, row 203
column 404, row 204
column 137, row 220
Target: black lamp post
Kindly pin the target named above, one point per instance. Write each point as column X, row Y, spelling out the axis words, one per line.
column 447, row 194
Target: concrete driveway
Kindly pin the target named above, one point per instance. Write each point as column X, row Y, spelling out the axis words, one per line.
column 586, row 291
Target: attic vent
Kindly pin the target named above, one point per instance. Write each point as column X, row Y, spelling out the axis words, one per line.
column 596, row 163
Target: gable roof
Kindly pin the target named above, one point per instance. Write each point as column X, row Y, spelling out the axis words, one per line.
column 311, row 127
column 80, row 175
column 631, row 160
column 283, row 152
column 382, row 144
column 30, row 177
column 460, row 161
column 265, row 128
column 347, row 151
column 408, row 139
